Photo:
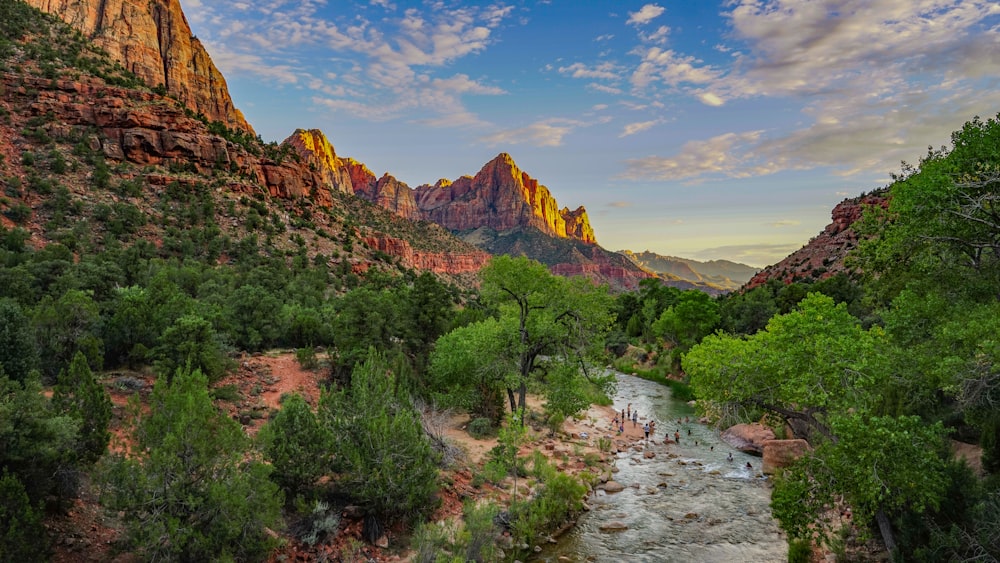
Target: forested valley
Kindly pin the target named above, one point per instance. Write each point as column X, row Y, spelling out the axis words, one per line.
column 109, row 285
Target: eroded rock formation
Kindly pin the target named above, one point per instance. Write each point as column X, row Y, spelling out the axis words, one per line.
column 152, row 38
column 823, row 256
column 502, row 197
column 317, row 152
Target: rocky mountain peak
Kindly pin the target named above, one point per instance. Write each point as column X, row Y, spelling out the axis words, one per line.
column 152, row 39
column 315, row 150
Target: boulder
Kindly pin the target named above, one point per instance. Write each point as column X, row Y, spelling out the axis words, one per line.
column 613, row 526
column 781, row 453
column 613, row 487
column 748, row 438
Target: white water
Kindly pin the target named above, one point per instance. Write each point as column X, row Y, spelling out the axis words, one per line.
column 694, row 506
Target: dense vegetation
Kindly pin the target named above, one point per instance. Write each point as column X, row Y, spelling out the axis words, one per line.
column 879, row 383
column 106, row 282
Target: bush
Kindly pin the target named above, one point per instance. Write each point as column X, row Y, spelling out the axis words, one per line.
column 297, row 445
column 307, row 358
column 799, row 551
column 22, row 535
column 189, row 490
column 481, row 428
column 385, row 459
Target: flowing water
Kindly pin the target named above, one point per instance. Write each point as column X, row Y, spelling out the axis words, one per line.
column 688, row 503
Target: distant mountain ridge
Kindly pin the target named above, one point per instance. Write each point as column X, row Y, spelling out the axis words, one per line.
column 724, row 274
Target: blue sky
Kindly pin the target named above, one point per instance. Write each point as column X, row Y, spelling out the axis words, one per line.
column 691, row 128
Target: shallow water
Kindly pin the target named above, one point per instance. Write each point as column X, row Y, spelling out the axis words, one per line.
column 689, row 503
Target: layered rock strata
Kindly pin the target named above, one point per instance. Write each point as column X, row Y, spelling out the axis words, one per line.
column 152, row 39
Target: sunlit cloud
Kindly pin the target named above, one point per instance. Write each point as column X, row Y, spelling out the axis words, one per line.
column 619, row 204
column 547, row 133
column 633, row 128
column 723, row 155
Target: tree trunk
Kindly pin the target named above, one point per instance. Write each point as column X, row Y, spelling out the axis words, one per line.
column 512, row 399
column 885, row 527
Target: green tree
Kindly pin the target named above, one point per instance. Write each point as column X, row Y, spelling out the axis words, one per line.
column 384, row 459
column 18, row 354
column 22, row 535
column 364, row 318
column 683, row 324
column 807, row 363
column 879, row 465
column 428, row 313
column 189, row 489
column 78, row 394
column 129, row 334
column 471, row 367
column 253, row 315
column 297, row 445
column 66, row 326
column 822, row 372
column 748, row 312
column 192, row 343
column 564, row 319
column 37, row 444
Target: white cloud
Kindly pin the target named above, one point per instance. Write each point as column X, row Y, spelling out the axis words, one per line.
column 710, row 99
column 605, row 70
column 646, row 14
column 546, row 133
column 633, row 128
column 723, row 155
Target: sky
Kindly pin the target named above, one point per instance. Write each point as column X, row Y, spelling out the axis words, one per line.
column 691, row 128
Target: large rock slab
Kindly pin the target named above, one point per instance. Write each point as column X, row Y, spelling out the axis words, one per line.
column 748, row 438
column 782, row 453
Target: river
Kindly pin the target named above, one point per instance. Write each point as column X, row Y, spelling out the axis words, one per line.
column 691, row 503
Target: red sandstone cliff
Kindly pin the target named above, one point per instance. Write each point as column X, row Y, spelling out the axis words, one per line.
column 152, row 39
column 823, row 256
column 313, row 147
column 501, row 197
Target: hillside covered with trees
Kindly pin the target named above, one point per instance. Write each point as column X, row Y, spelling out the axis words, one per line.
column 112, row 283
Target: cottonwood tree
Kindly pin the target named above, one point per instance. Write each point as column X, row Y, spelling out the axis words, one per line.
column 539, row 315
column 816, row 367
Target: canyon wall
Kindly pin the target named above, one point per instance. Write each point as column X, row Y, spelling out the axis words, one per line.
column 152, row 39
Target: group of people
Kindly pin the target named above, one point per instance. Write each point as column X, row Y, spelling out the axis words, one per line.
column 628, row 414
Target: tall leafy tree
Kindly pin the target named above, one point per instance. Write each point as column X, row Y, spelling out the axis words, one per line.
column 37, row 444
column 65, row 326
column 565, row 319
column 805, row 365
column 822, row 372
column 18, row 354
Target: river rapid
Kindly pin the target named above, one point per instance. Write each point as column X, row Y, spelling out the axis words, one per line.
column 689, row 503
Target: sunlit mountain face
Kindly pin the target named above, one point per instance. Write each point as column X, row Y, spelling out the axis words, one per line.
column 701, row 129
